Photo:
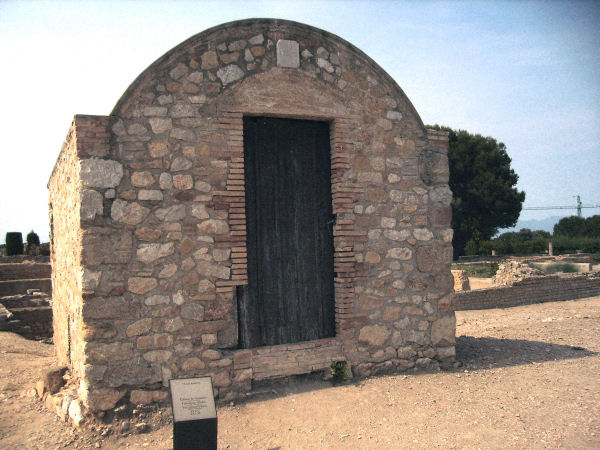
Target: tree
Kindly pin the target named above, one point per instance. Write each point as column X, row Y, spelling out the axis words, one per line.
column 578, row 227
column 14, row 243
column 33, row 238
column 483, row 183
column 33, row 242
column 592, row 226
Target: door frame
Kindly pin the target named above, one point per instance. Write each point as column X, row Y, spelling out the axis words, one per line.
column 274, row 307
column 347, row 241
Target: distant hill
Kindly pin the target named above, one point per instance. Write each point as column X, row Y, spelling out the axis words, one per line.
column 546, row 224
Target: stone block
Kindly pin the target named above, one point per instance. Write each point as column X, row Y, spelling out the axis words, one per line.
column 117, row 307
column 443, row 331
column 431, row 258
column 213, row 226
column 130, row 213
column 288, row 53
column 154, row 341
column 183, row 182
column 173, row 213
column 209, row 60
column 140, row 285
column 374, row 335
column 192, row 364
column 193, row 311
column 433, row 167
column 135, row 372
column 115, row 351
column 143, row 397
column 91, row 204
column 148, row 253
column 160, row 125
column 103, row 246
column 76, row 413
column 142, row 179
column 147, row 234
column 150, row 195
column 230, row 74
column 139, row 327
column 100, row 173
column 401, row 253
column 158, row 356
column 102, row 399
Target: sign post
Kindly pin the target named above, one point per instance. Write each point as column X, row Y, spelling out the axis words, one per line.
column 194, row 413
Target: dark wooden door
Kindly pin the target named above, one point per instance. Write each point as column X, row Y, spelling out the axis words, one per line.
column 290, row 294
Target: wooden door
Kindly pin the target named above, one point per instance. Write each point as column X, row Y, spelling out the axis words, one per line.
column 290, row 293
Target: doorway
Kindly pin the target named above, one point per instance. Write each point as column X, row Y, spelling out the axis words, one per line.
column 290, row 292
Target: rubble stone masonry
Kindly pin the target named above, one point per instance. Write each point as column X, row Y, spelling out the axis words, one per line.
column 149, row 231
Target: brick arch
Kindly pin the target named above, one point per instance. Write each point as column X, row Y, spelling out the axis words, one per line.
column 205, row 53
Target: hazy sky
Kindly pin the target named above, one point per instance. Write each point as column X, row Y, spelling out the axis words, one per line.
column 525, row 73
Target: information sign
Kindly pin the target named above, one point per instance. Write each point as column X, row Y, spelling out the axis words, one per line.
column 194, row 413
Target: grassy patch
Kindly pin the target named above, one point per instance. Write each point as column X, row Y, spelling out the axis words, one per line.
column 479, row 270
column 555, row 268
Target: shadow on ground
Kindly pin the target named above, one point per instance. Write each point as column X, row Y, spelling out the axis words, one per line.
column 483, row 352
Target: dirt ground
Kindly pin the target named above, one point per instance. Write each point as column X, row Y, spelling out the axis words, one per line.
column 480, row 283
column 530, row 379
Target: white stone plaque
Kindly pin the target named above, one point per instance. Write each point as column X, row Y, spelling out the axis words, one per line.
column 192, row 399
column 288, row 53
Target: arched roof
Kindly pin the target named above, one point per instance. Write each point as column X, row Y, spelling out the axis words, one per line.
column 207, row 40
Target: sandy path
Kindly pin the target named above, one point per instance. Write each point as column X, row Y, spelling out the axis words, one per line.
column 530, row 380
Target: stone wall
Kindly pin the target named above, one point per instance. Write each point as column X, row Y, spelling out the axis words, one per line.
column 18, row 278
column 24, row 271
column 461, row 280
column 65, row 246
column 159, row 187
column 27, row 315
column 512, row 271
column 15, row 287
column 532, row 290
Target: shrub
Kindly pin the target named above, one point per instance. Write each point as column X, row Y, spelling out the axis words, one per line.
column 14, row 243
column 33, row 238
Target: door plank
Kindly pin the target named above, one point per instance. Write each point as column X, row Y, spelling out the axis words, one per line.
column 290, row 294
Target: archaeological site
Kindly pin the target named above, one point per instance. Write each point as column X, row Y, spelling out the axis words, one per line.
column 262, row 201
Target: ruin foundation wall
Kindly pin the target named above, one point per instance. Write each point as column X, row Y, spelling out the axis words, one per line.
column 531, row 290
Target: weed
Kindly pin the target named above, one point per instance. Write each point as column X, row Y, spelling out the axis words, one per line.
column 338, row 371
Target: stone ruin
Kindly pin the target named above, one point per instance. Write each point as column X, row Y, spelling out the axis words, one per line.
column 511, row 271
column 461, row 280
column 158, row 255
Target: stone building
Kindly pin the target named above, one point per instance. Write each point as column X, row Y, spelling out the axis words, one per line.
column 263, row 200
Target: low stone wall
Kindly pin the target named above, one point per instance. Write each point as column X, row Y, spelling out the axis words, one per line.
column 532, row 290
column 15, row 287
column 24, row 271
column 13, row 259
column 27, row 315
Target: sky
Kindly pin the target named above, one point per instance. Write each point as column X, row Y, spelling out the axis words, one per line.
column 526, row 73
